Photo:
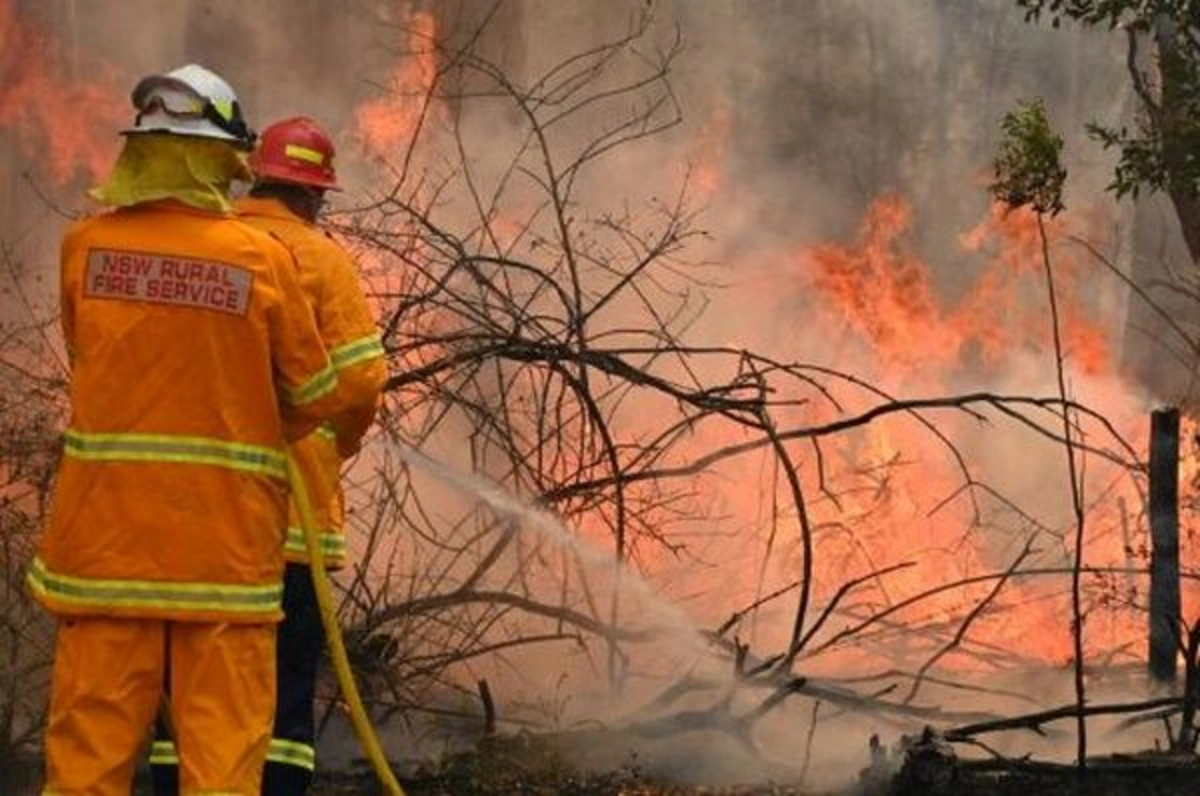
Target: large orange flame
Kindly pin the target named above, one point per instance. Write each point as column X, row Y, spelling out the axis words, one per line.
column 61, row 119
column 1013, row 237
column 898, row 331
column 883, row 291
column 387, row 124
column 886, row 294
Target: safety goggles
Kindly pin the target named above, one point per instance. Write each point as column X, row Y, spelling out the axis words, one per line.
column 181, row 102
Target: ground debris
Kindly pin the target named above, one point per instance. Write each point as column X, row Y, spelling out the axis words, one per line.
column 920, row 765
column 598, row 786
column 1147, row 774
column 930, row 767
column 531, row 765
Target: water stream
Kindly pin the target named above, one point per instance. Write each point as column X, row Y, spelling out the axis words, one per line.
column 671, row 621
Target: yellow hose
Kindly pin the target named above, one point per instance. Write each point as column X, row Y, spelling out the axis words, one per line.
column 333, row 634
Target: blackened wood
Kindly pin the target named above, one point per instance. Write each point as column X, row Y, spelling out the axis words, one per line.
column 489, row 708
column 1164, row 539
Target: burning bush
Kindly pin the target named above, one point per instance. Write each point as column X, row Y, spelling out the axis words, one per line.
column 541, row 325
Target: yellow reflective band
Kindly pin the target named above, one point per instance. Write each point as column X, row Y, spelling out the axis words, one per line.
column 356, row 351
column 175, row 448
column 280, row 751
column 320, row 384
column 164, row 753
column 333, row 544
column 196, row 597
column 292, row 753
column 223, row 106
column 304, row 153
column 327, row 432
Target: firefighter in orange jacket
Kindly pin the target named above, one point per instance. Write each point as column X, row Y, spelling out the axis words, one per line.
column 195, row 358
column 294, row 168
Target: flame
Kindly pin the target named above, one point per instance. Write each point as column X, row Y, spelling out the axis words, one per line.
column 886, row 294
column 384, row 127
column 386, row 124
column 707, row 153
column 881, row 498
column 883, row 292
column 871, row 306
column 58, row 118
column 1018, row 256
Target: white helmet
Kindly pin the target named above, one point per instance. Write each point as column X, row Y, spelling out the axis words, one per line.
column 193, row 101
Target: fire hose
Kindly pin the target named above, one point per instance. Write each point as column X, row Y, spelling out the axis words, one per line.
column 333, row 634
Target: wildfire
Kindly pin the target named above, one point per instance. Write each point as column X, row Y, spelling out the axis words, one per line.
column 883, row 291
column 56, row 115
column 888, row 494
column 386, row 124
column 891, row 479
column 886, row 294
column 1014, row 238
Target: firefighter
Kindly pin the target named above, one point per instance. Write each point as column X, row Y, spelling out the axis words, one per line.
column 294, row 168
column 194, row 359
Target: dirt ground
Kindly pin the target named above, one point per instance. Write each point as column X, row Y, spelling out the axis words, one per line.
column 1170, row 781
column 1164, row 783
column 476, row 774
column 1031, row 780
column 587, row 786
column 1126, row 775
column 486, row 773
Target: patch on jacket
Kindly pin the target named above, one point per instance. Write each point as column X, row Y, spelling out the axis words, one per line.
column 166, row 279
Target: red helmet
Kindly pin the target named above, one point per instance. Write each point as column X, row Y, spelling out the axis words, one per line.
column 297, row 151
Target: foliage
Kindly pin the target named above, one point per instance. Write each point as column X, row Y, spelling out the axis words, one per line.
column 1029, row 168
column 522, row 763
column 1159, row 152
column 1137, row 13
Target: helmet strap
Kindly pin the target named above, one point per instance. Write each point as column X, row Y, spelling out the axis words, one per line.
column 236, row 126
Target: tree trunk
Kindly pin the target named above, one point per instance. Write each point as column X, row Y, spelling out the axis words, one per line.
column 1174, row 126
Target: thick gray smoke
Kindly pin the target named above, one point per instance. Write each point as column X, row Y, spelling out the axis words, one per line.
column 822, row 105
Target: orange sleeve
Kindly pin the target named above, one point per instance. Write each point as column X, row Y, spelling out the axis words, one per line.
column 306, row 381
column 355, row 349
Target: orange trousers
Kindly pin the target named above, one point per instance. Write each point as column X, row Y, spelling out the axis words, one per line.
column 107, row 687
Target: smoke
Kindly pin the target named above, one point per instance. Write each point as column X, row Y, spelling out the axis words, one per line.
column 797, row 119
column 804, row 130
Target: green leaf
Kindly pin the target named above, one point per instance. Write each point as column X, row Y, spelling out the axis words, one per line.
column 1028, row 167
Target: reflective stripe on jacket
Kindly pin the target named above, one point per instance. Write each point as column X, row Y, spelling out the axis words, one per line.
column 194, row 358
column 330, row 281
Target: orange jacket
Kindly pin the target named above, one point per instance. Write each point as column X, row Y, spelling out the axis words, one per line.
column 194, row 357
column 330, row 280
